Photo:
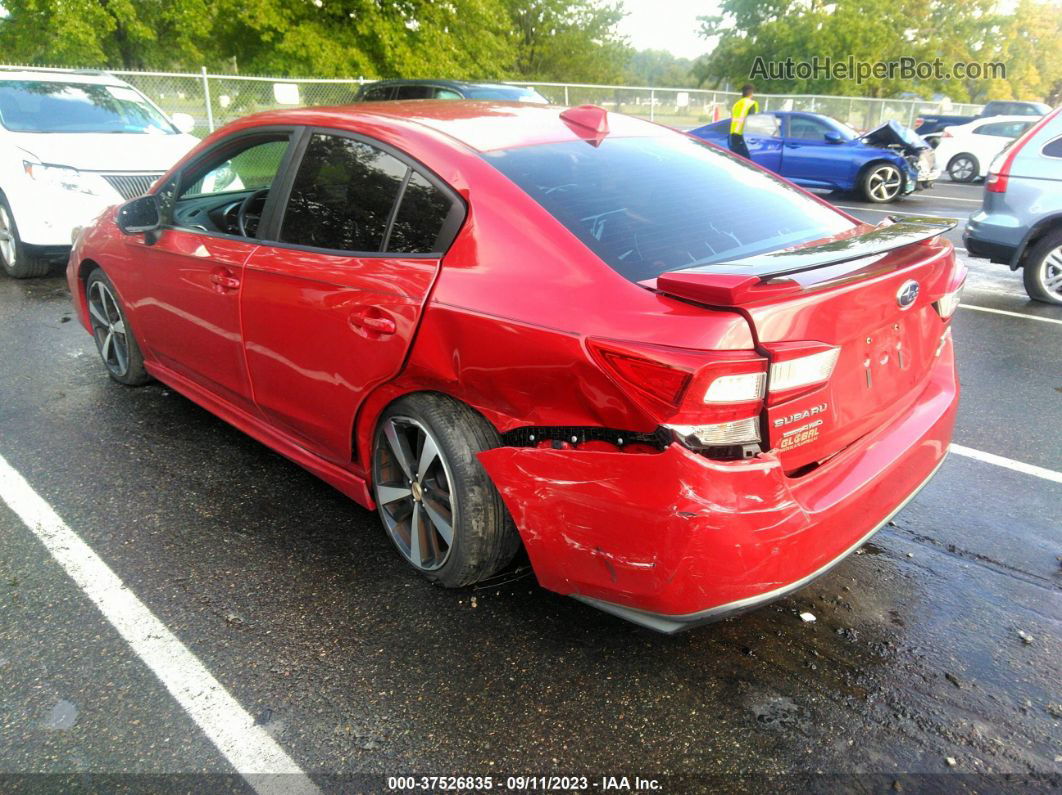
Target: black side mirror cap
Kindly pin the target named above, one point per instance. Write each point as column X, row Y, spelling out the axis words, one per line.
column 140, row 216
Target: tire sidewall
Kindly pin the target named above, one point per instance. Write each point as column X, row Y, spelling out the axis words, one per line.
column 864, row 182
column 135, row 374
column 474, row 495
column 1035, row 266
column 974, row 171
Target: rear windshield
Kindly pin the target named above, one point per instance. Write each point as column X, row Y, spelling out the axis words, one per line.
column 651, row 205
column 47, row 107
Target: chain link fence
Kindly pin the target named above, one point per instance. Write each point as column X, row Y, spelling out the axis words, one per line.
column 690, row 107
column 213, row 100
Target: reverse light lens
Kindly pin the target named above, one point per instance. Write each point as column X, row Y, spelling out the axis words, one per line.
column 804, row 371
column 949, row 302
column 736, row 388
column 719, row 434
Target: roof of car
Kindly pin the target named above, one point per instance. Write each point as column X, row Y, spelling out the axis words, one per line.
column 993, row 119
column 89, row 78
column 484, row 125
column 396, row 81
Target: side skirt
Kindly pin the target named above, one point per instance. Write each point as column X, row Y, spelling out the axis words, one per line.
column 345, row 481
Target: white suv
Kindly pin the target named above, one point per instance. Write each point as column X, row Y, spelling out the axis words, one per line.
column 71, row 145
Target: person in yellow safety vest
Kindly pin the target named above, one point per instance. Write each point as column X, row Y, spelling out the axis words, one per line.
column 742, row 108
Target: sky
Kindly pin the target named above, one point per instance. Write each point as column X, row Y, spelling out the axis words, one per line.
column 667, row 25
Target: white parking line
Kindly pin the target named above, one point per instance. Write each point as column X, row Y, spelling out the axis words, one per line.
column 1011, row 314
column 947, row 198
column 248, row 747
column 1008, row 463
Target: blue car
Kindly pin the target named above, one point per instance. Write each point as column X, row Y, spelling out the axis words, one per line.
column 819, row 152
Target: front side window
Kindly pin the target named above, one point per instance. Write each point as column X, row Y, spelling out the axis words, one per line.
column 342, row 196
column 48, row 107
column 808, row 129
column 226, row 190
column 251, row 168
column 646, row 206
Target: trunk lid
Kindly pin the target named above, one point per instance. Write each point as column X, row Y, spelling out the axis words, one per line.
column 870, row 294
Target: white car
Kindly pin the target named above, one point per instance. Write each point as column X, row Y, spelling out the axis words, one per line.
column 966, row 150
column 71, row 145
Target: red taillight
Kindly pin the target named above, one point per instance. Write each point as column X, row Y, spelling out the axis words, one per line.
column 996, row 183
column 997, row 180
column 713, row 395
column 919, row 122
column 657, row 381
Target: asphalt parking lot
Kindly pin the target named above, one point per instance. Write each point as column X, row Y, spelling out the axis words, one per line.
column 341, row 661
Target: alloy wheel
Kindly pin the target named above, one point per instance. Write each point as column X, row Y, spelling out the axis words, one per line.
column 8, row 248
column 961, row 169
column 414, row 490
column 1051, row 273
column 108, row 327
column 884, row 183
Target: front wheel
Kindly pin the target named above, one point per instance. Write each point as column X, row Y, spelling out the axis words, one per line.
column 964, row 168
column 1042, row 272
column 18, row 260
column 882, row 183
column 115, row 342
column 437, row 504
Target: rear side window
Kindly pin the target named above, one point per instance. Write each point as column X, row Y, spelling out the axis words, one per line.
column 651, row 205
column 342, row 196
column 421, row 219
column 377, row 93
column 1053, row 148
column 766, row 124
column 414, row 92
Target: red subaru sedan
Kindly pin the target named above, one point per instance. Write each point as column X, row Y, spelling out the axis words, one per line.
column 683, row 385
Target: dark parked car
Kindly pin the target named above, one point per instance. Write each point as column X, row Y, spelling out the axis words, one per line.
column 445, row 89
column 928, row 125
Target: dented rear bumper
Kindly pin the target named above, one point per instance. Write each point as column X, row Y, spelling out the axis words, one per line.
column 673, row 539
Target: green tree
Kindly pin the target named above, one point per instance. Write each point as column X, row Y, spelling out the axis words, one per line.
column 339, row 38
column 660, row 68
column 1027, row 41
column 568, row 40
column 133, row 34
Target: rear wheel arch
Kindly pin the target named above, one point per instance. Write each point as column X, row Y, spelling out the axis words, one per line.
column 1044, row 226
column 384, row 397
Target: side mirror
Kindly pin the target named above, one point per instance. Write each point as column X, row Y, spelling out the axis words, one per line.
column 833, row 137
column 140, row 216
column 183, row 122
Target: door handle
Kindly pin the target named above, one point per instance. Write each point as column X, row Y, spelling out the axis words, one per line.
column 225, row 281
column 373, row 323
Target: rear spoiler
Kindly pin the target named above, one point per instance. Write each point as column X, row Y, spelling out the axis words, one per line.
column 741, row 280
